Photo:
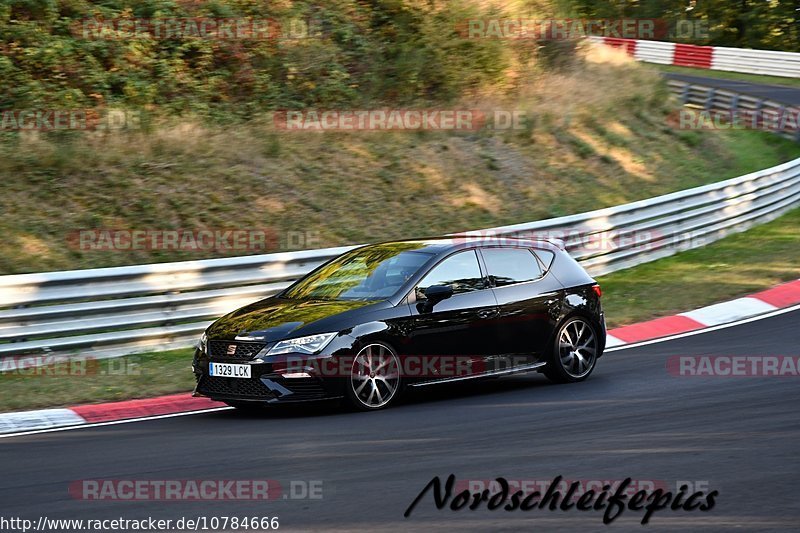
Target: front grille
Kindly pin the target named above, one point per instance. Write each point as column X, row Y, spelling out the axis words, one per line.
column 234, row 387
column 301, row 389
column 245, row 351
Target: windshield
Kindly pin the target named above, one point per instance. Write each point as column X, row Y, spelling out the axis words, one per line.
column 372, row 273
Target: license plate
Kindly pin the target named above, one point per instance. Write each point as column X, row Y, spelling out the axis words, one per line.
column 228, row 370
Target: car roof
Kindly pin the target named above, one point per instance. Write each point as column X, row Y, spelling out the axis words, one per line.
column 436, row 245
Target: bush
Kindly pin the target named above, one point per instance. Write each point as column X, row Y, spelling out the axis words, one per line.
column 355, row 54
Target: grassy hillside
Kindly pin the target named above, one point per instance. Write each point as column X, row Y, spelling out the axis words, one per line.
column 598, row 137
column 208, row 155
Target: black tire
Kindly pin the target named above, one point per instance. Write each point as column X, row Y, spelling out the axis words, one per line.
column 565, row 363
column 378, row 388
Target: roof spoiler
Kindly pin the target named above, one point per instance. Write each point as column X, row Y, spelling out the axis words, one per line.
column 558, row 243
column 481, row 236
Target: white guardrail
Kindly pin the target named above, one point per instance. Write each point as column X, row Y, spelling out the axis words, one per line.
column 746, row 60
column 767, row 62
column 109, row 312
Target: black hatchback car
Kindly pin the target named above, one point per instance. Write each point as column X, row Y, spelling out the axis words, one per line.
column 383, row 317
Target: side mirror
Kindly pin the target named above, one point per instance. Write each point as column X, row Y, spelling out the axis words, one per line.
column 433, row 295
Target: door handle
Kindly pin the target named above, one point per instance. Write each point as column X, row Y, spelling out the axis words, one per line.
column 488, row 313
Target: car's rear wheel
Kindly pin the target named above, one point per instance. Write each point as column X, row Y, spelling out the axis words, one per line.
column 574, row 352
column 374, row 378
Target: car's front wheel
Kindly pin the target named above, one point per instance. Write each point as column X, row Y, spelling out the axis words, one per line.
column 374, row 378
column 574, row 351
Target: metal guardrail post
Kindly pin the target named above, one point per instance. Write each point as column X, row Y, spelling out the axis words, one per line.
column 734, row 106
column 709, row 104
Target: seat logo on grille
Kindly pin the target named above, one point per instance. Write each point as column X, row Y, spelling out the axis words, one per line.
column 231, row 349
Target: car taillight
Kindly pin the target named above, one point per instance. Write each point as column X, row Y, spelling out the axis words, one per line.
column 597, row 290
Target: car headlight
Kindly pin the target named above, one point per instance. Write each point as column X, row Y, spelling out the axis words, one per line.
column 310, row 344
column 203, row 344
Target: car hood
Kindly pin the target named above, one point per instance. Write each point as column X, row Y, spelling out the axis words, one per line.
column 279, row 318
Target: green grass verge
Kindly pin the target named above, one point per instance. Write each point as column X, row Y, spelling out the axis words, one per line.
column 725, row 75
column 122, row 378
column 735, row 266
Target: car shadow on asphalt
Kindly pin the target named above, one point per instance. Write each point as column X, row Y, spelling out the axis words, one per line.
column 474, row 388
column 435, row 394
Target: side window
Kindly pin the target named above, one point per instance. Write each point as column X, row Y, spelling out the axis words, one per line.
column 460, row 270
column 546, row 257
column 507, row 266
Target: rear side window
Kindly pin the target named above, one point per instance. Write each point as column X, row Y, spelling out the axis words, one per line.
column 546, row 257
column 508, row 266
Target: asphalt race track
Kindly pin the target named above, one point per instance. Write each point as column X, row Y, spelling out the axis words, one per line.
column 778, row 93
column 630, row 419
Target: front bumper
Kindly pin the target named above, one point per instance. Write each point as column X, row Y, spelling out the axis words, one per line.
column 267, row 384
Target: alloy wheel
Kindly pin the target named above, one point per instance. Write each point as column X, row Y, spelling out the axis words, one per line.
column 577, row 348
column 375, row 376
